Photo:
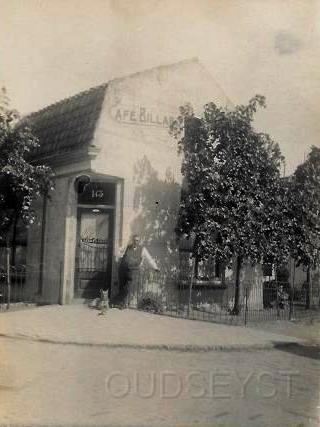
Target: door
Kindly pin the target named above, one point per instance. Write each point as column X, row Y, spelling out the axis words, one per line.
column 94, row 252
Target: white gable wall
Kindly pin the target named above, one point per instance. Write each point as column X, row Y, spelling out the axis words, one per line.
column 134, row 126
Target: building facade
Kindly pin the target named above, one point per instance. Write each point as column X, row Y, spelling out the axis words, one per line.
column 116, row 135
column 117, row 173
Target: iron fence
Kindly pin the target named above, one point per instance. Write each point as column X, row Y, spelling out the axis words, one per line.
column 167, row 294
column 171, row 294
column 12, row 286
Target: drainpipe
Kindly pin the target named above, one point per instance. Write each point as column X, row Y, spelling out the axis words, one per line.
column 43, row 230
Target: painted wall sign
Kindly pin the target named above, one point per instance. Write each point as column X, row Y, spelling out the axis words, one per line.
column 94, row 240
column 141, row 116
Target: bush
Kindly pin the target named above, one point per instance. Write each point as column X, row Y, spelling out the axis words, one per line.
column 150, row 302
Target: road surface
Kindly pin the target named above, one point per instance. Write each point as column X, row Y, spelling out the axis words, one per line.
column 80, row 385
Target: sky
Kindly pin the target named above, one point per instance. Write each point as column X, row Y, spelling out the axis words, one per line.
column 51, row 49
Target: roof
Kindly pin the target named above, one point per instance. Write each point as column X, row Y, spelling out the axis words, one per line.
column 67, row 124
column 70, row 123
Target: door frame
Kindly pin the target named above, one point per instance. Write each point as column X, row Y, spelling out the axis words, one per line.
column 110, row 210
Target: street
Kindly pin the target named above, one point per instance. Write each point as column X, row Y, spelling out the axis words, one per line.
column 58, row 384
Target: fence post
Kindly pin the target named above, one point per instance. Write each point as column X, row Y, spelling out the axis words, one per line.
column 8, row 277
column 61, row 296
column 246, row 306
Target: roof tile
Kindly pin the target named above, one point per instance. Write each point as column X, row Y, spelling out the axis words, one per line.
column 67, row 124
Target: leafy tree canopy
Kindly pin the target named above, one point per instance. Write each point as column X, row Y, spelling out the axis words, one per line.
column 232, row 200
column 21, row 181
column 304, row 210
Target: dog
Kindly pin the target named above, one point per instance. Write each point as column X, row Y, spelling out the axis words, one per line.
column 103, row 303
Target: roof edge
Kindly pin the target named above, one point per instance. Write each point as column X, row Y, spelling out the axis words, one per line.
column 61, row 101
column 194, row 59
column 65, row 157
column 115, row 79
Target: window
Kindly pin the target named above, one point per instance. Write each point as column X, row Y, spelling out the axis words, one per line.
column 209, row 269
column 18, row 243
column 206, row 271
column 267, row 270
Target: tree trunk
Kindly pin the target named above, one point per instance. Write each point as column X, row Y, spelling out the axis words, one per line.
column 308, row 290
column 196, row 267
column 13, row 240
column 8, row 276
column 291, row 312
column 236, row 307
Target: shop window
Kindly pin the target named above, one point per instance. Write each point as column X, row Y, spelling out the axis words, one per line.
column 205, row 271
column 18, row 245
column 209, row 269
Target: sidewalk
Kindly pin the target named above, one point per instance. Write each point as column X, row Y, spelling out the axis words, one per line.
column 302, row 329
column 79, row 325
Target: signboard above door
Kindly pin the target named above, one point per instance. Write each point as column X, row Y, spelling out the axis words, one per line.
column 98, row 193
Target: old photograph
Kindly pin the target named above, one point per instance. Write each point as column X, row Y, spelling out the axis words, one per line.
column 160, row 213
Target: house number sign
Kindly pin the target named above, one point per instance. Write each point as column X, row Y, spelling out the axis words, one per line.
column 98, row 193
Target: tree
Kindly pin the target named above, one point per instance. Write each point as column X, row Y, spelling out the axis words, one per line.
column 232, row 200
column 304, row 212
column 21, row 181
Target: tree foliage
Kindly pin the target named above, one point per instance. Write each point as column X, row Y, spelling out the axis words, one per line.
column 233, row 182
column 304, row 210
column 232, row 200
column 21, row 181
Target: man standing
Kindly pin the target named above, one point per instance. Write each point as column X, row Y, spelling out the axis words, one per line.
column 129, row 267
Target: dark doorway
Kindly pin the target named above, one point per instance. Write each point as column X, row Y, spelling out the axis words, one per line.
column 94, row 251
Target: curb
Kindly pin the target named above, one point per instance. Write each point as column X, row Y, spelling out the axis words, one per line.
column 164, row 347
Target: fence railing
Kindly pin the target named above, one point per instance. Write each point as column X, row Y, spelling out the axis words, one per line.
column 209, row 300
column 212, row 301
column 12, row 286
